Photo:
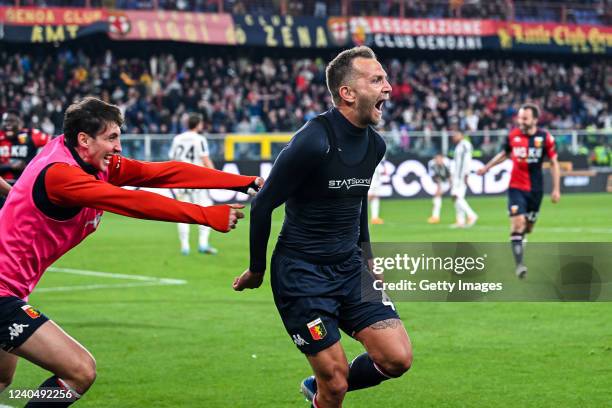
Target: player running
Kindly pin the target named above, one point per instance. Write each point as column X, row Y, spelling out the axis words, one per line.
column 57, row 202
column 317, row 268
column 527, row 147
column 440, row 173
column 460, row 172
column 192, row 147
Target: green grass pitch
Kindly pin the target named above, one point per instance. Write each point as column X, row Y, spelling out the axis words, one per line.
column 203, row 345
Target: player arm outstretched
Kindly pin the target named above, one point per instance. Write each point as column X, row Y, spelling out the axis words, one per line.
column 69, row 186
column 499, row 158
column 4, row 187
column 174, row 174
column 298, row 159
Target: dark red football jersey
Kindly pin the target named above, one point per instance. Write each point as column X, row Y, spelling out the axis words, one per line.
column 22, row 147
column 527, row 154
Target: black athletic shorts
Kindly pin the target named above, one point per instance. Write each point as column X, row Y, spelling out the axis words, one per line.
column 18, row 321
column 316, row 300
column 524, row 202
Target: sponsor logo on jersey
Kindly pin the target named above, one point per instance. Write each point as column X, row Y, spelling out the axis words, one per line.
column 349, row 183
column 30, row 311
column 317, row 329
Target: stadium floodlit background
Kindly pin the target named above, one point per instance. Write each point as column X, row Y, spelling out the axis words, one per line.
column 168, row 331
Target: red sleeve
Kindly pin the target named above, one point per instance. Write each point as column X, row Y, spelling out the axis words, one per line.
column 40, row 138
column 551, row 150
column 173, row 174
column 70, row 186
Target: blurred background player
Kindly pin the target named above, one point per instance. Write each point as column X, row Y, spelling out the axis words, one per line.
column 192, row 147
column 461, row 170
column 527, row 147
column 440, row 173
column 374, row 194
column 18, row 146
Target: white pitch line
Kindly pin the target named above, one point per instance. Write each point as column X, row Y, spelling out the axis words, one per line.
column 142, row 280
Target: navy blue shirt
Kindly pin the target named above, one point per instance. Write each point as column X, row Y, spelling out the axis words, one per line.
column 317, row 225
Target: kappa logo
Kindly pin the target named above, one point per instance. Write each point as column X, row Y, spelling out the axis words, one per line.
column 349, row 183
column 16, row 330
column 95, row 222
column 317, row 329
column 298, row 340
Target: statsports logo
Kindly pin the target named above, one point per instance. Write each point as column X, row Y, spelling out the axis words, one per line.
column 349, row 183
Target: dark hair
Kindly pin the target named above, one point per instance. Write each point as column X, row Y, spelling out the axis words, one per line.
column 341, row 68
column 533, row 108
column 193, row 120
column 91, row 116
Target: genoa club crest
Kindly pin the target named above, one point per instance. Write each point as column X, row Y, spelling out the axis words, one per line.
column 317, row 329
column 30, row 311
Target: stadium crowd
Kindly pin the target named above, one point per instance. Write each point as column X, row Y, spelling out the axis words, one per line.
column 585, row 12
column 243, row 95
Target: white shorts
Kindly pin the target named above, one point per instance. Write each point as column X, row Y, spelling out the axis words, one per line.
column 444, row 185
column 193, row 196
column 458, row 190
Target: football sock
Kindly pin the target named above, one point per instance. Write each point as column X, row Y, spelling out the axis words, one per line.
column 437, row 206
column 516, row 240
column 183, row 230
column 460, row 214
column 50, row 385
column 375, row 207
column 204, row 233
column 466, row 208
column 364, row 373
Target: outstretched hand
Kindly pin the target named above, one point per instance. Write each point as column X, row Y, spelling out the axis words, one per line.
column 248, row 280
column 235, row 214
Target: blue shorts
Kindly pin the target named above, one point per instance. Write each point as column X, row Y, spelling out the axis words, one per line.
column 18, row 321
column 526, row 203
column 316, row 300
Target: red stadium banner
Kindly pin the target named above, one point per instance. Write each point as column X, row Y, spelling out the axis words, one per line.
column 469, row 34
column 31, row 24
column 206, row 28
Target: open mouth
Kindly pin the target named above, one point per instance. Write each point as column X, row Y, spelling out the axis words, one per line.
column 379, row 105
column 107, row 159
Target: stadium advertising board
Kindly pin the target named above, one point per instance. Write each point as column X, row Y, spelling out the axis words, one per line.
column 282, row 31
column 406, row 177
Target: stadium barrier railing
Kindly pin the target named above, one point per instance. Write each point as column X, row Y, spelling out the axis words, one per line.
column 266, row 146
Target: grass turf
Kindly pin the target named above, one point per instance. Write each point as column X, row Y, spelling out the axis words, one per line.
column 203, row 345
